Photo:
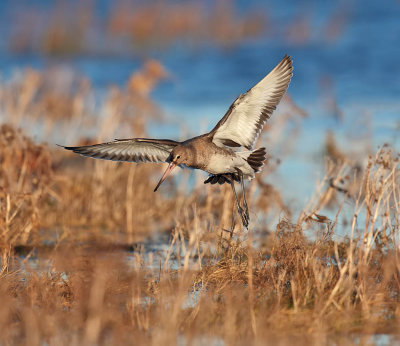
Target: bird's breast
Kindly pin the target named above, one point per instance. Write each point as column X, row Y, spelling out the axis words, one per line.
column 220, row 163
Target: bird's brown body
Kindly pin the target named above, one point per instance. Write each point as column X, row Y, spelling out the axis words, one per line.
column 214, row 152
column 197, row 152
column 201, row 153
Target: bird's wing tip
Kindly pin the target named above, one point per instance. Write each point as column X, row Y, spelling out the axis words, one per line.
column 287, row 57
column 286, row 62
column 65, row 147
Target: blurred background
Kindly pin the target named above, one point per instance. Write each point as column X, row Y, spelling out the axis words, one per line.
column 90, row 255
column 184, row 62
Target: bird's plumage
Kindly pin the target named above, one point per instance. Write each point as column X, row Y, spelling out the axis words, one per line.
column 239, row 127
column 244, row 120
column 130, row 150
column 212, row 152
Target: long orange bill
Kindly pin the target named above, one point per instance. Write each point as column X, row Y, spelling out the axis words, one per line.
column 169, row 169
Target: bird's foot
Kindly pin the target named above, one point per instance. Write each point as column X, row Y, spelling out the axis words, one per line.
column 244, row 215
column 246, row 209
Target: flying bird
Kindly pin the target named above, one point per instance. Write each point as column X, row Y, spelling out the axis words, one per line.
column 218, row 151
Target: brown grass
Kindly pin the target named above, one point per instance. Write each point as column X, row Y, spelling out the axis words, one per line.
column 70, row 28
column 68, row 225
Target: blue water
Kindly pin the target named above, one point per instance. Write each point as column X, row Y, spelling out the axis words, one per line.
column 359, row 67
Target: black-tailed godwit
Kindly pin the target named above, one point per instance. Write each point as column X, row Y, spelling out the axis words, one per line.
column 215, row 152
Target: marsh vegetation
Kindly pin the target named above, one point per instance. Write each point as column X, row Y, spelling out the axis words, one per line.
column 75, row 267
column 90, row 255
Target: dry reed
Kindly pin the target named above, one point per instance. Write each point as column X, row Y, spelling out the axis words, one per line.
column 76, row 269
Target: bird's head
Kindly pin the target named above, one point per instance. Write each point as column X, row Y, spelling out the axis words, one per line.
column 177, row 157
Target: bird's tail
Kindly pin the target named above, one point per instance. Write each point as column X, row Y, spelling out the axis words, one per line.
column 256, row 159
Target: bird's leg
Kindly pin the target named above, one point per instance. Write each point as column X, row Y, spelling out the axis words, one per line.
column 246, row 208
column 241, row 211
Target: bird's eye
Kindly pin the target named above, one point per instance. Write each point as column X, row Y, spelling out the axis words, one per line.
column 178, row 156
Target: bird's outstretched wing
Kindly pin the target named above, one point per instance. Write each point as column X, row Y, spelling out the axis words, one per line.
column 131, row 150
column 246, row 117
